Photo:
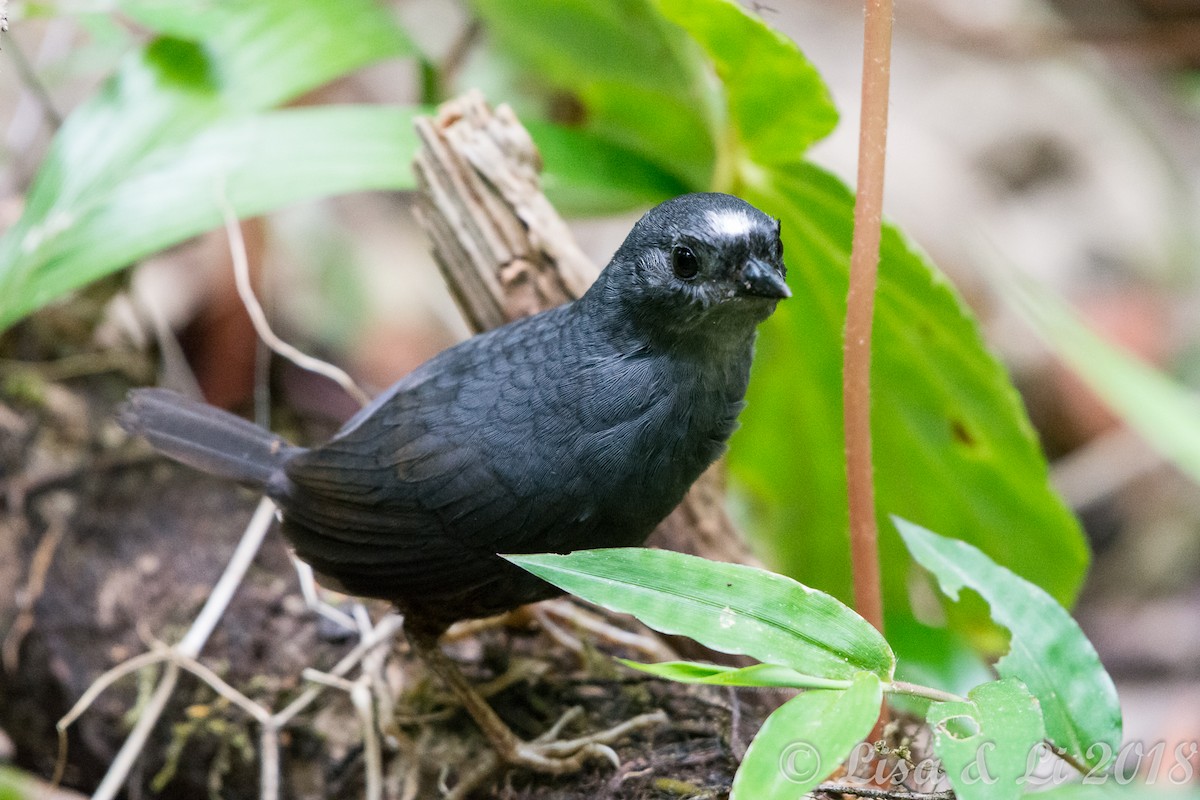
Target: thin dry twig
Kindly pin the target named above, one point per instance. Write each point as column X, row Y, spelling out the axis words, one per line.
column 241, row 272
column 360, row 698
column 310, row 592
column 35, row 584
column 881, row 794
column 386, row 628
column 369, row 695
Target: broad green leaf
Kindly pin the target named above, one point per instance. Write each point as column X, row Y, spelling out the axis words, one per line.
column 805, row 740
column 731, row 608
column 1166, row 413
column 756, row 675
column 215, row 64
column 1048, row 652
column 952, row 443
column 777, row 104
column 988, row 762
column 930, row 656
column 637, row 80
column 587, row 174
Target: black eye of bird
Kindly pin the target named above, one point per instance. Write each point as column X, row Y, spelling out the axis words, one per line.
column 684, row 262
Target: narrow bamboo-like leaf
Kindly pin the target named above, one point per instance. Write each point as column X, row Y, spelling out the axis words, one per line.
column 988, row 762
column 256, row 163
column 728, row 607
column 1162, row 410
column 1048, row 651
column 756, row 675
column 805, row 740
column 194, row 86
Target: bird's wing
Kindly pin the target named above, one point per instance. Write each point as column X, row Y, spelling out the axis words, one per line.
column 425, row 486
column 399, row 500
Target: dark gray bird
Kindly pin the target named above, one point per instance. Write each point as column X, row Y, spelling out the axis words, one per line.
column 579, row 427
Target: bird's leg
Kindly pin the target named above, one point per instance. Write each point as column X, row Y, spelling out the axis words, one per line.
column 544, row 755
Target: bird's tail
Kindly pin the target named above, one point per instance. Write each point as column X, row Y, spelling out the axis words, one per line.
column 204, row 437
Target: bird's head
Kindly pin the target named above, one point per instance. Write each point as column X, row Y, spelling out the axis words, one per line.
column 699, row 266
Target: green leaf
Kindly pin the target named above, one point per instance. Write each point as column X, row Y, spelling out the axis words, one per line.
column 267, row 52
column 263, row 162
column 1163, row 411
column 988, row 762
column 1049, row 653
column 952, row 444
column 776, row 102
column 256, row 163
column 805, row 740
column 756, row 675
column 731, row 608
column 587, row 174
column 196, row 86
column 17, row 785
column 929, row 656
column 637, row 80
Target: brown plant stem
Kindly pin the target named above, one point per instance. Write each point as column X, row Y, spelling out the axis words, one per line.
column 864, row 264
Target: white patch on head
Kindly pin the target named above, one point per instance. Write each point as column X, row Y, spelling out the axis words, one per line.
column 731, row 223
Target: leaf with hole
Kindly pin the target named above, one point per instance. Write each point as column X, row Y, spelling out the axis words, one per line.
column 1048, row 652
column 985, row 742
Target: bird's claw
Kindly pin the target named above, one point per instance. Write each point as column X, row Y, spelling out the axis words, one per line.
column 549, row 755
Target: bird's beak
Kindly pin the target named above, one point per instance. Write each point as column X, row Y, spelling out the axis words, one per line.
column 760, row 279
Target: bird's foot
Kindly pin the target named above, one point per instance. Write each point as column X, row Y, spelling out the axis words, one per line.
column 547, row 753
